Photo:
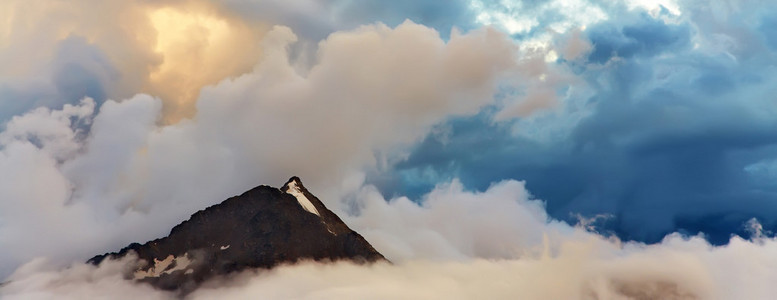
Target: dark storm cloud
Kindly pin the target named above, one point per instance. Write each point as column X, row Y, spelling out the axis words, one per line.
column 670, row 142
column 649, row 37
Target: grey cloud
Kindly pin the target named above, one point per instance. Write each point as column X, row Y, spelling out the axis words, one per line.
column 81, row 70
column 660, row 138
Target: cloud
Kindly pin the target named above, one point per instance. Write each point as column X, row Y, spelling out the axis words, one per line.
column 59, row 53
column 507, row 248
column 37, row 280
column 384, row 94
column 679, row 269
column 55, row 53
column 535, row 18
column 451, row 223
column 649, row 37
column 658, row 130
column 440, row 16
column 82, row 70
column 574, row 45
column 129, row 179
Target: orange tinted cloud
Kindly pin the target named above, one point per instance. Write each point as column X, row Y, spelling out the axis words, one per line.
column 169, row 49
column 198, row 47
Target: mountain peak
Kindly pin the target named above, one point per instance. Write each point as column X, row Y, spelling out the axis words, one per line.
column 294, row 179
column 260, row 228
column 295, row 188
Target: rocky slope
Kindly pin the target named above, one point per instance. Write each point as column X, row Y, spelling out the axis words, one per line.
column 261, row 228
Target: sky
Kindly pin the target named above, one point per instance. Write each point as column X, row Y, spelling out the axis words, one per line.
column 539, row 149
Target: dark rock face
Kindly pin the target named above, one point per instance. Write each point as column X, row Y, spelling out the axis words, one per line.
column 261, row 228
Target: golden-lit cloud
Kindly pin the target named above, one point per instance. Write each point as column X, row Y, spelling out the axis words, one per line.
column 169, row 49
column 198, row 47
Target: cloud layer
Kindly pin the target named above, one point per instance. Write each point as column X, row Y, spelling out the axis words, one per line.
column 445, row 249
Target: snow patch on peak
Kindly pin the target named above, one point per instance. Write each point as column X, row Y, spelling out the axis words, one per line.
column 293, row 189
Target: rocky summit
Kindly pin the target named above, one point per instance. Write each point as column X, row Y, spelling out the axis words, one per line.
column 261, row 228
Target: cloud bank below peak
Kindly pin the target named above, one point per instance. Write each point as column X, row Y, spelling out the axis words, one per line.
column 445, row 248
